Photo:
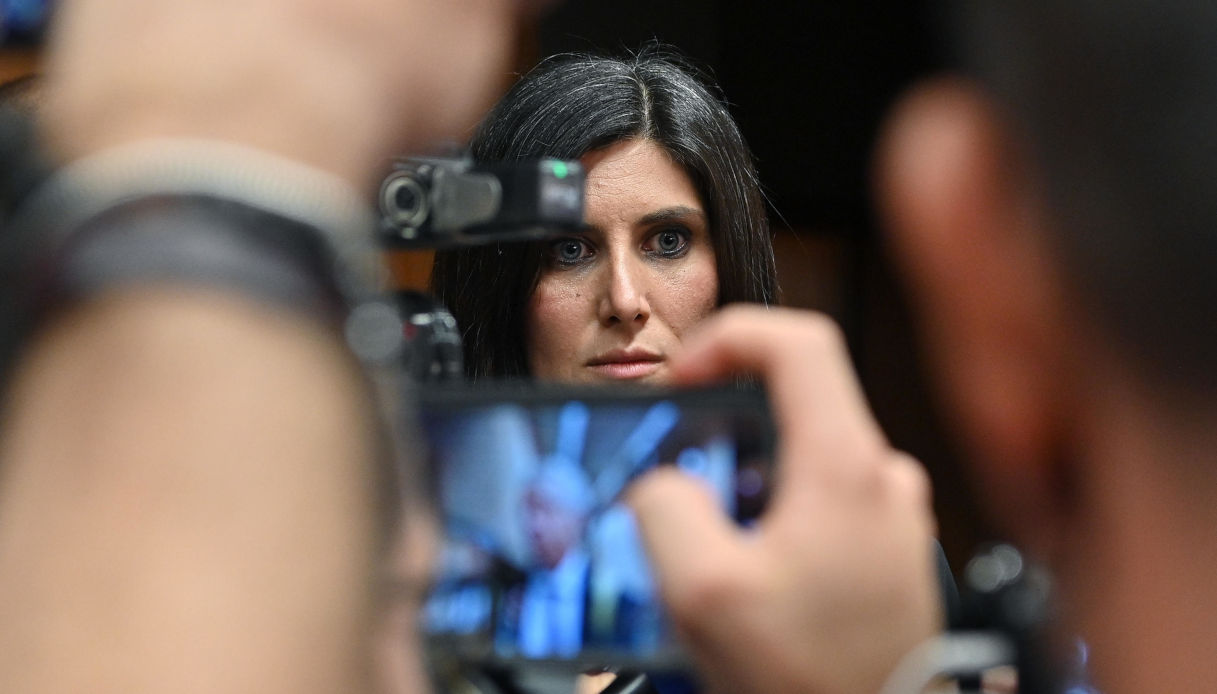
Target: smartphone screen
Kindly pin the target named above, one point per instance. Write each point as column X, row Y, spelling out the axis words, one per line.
column 542, row 562
column 23, row 21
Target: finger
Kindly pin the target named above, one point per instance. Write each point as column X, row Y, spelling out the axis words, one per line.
column 910, row 480
column 820, row 410
column 687, row 536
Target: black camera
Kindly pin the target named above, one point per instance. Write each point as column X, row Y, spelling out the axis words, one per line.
column 448, row 202
column 434, row 202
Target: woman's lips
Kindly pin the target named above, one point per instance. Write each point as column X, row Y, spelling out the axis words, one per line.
column 626, row 369
column 626, row 364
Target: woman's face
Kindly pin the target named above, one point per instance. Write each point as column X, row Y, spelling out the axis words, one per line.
column 614, row 302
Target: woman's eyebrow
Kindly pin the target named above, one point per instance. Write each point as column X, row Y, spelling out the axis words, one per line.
column 668, row 214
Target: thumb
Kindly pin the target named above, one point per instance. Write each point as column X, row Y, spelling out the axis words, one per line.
column 687, row 535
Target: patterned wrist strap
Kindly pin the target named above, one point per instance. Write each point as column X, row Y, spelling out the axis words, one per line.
column 193, row 212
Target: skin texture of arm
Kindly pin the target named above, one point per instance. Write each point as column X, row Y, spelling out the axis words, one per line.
column 185, row 497
column 336, row 85
column 185, row 503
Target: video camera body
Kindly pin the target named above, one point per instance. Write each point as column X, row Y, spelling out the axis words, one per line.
column 452, row 202
column 440, row 203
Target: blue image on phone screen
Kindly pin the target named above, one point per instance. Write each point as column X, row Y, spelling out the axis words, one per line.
column 542, row 560
column 23, row 21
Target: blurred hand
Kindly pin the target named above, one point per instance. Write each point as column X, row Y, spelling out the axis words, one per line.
column 836, row 583
column 339, row 84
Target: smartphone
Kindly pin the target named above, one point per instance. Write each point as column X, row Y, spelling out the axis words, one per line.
column 541, row 561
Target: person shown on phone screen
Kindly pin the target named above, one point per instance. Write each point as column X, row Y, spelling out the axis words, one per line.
column 552, row 603
column 587, row 582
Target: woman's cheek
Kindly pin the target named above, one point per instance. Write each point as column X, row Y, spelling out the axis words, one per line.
column 553, row 326
column 693, row 297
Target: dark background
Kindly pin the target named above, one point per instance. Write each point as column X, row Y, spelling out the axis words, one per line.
column 808, row 80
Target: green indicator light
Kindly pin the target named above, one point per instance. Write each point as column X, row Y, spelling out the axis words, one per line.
column 560, row 169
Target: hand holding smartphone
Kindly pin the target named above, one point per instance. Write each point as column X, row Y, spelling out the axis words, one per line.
column 541, row 562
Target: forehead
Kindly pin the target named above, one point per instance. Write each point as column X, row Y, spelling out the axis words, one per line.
column 636, row 175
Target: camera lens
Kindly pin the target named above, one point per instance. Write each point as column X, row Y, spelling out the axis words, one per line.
column 403, row 201
column 406, row 198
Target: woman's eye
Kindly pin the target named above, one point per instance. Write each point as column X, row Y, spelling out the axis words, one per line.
column 670, row 241
column 569, row 250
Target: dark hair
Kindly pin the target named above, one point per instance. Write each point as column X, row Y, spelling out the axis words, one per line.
column 1116, row 101
column 573, row 104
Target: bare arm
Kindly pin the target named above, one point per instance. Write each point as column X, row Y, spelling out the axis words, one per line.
column 184, row 503
column 184, row 489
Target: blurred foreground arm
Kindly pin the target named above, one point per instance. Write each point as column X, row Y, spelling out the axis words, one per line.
column 185, row 504
column 186, row 501
column 836, row 583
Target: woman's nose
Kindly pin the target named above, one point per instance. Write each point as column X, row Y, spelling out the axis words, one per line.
column 624, row 299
